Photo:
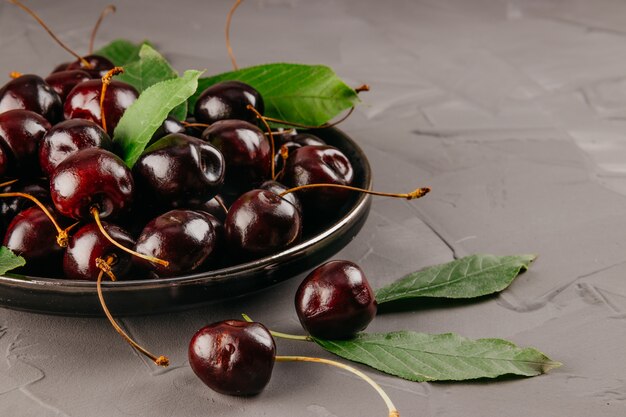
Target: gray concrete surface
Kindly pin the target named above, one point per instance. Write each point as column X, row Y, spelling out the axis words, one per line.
column 513, row 111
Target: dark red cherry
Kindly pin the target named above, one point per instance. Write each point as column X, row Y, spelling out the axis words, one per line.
column 180, row 171
column 215, row 207
column 99, row 65
column 315, row 165
column 277, row 188
column 11, row 206
column 246, row 150
column 89, row 244
column 83, row 102
column 21, row 131
column 335, row 301
column 184, row 238
column 233, row 357
column 67, row 138
column 294, row 142
column 228, row 100
column 31, row 92
column 32, row 235
column 261, row 223
column 63, row 82
column 169, row 125
column 92, row 177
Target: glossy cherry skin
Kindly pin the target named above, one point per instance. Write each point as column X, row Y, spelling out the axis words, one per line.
column 246, row 150
column 32, row 235
column 92, row 177
column 11, row 206
column 180, row 171
column 277, row 188
column 99, row 65
column 335, row 301
column 233, row 357
column 214, row 207
column 169, row 125
column 63, row 82
column 184, row 238
column 228, row 100
column 67, row 138
column 88, row 244
column 319, row 165
column 21, row 131
column 294, row 142
column 31, row 92
column 261, row 223
column 61, row 67
column 83, row 102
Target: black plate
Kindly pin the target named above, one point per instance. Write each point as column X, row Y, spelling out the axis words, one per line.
column 79, row 298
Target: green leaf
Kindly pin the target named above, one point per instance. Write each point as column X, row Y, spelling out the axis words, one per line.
column 121, row 51
column 469, row 277
column 443, row 357
column 306, row 94
column 149, row 69
column 9, row 260
column 145, row 115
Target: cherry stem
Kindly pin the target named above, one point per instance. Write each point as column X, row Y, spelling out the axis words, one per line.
column 105, row 267
column 362, row 88
column 393, row 412
column 34, row 15
column 15, row 74
column 4, row 184
column 279, row 334
column 96, row 216
column 187, row 124
column 106, row 11
column 283, row 132
column 284, row 154
column 322, row 126
column 229, row 18
column 62, row 237
column 269, row 131
column 418, row 193
column 222, row 205
column 106, row 80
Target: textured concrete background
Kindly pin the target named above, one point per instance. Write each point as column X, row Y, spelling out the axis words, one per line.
column 513, row 111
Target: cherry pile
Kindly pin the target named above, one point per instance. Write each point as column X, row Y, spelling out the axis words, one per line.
column 191, row 194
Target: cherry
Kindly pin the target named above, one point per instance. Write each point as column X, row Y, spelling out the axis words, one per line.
column 278, row 188
column 215, row 207
column 97, row 66
column 62, row 82
column 180, row 170
column 319, row 164
column 88, row 244
column 20, row 134
column 228, row 100
column 33, row 236
column 233, row 357
column 67, row 138
column 83, row 102
column 91, row 178
column 10, row 207
column 169, row 125
column 335, row 301
column 246, row 150
column 292, row 143
column 31, row 92
column 185, row 237
column 261, row 223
